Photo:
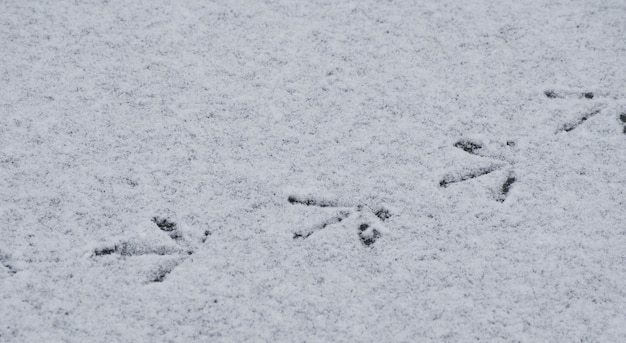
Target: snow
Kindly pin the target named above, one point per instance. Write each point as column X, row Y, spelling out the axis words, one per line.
column 202, row 171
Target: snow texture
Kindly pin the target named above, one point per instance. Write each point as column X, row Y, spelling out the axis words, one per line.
column 457, row 168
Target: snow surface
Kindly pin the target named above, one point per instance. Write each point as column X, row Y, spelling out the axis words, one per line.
column 160, row 160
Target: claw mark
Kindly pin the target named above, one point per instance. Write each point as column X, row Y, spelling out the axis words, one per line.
column 368, row 235
column 334, row 220
column 450, row 179
column 309, row 201
column 570, row 127
column 506, row 187
column 622, row 117
column 468, row 146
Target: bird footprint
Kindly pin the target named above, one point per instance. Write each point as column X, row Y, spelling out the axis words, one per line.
column 177, row 249
column 368, row 230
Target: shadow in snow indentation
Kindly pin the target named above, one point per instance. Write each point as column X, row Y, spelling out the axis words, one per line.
column 163, row 271
column 451, row 179
column 368, row 235
column 139, row 247
column 334, row 220
column 310, row 201
column 468, row 146
column 169, row 227
column 571, row 126
column 506, row 187
column 553, row 94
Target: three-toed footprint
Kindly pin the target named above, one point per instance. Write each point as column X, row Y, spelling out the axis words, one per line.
column 165, row 239
column 369, row 228
column 495, row 162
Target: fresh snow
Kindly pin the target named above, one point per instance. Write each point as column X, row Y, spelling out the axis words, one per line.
column 312, row 171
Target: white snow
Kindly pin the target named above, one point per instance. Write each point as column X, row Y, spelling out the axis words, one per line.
column 211, row 116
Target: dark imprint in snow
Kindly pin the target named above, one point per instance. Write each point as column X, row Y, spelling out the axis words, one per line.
column 383, row 214
column 168, row 226
column 334, row 220
column 468, row 146
column 308, row 201
column 450, row 179
column 162, row 273
column 207, row 233
column 301, row 235
column 368, row 238
column 551, row 94
column 105, row 251
column 506, row 187
column 572, row 126
column 132, row 249
column 4, row 261
column 164, row 224
column 128, row 249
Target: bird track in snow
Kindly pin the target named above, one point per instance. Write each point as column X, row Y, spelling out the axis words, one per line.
column 130, row 248
column 475, row 148
column 571, row 126
column 367, row 232
column 573, row 95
